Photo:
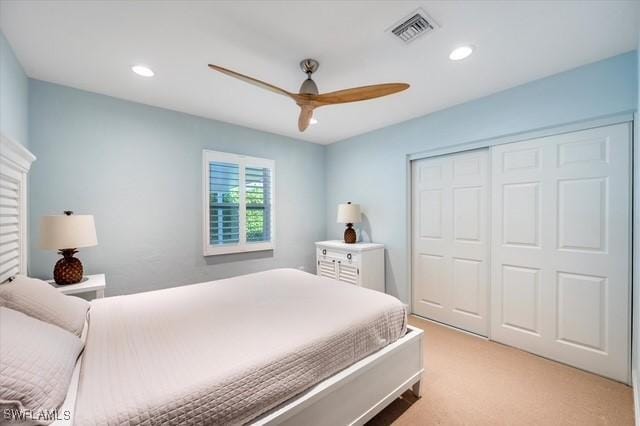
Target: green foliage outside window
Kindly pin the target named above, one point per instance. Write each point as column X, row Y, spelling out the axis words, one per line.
column 255, row 212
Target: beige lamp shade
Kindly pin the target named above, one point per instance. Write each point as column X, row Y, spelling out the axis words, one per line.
column 349, row 213
column 67, row 231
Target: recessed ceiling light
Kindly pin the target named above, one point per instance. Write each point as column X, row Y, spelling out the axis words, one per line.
column 142, row 70
column 313, row 121
column 460, row 53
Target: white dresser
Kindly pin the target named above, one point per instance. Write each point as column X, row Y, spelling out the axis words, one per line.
column 361, row 264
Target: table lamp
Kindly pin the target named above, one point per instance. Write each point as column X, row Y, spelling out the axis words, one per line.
column 349, row 214
column 66, row 233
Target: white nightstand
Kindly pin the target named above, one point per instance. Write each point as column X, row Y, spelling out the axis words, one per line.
column 361, row 264
column 90, row 284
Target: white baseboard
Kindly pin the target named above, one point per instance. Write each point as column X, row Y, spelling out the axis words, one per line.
column 450, row 327
column 636, row 397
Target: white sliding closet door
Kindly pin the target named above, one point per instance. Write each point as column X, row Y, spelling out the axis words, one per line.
column 561, row 248
column 450, row 253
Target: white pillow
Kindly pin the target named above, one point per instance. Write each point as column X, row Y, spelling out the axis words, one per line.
column 42, row 301
column 36, row 364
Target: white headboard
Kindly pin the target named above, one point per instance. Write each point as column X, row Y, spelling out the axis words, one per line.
column 15, row 161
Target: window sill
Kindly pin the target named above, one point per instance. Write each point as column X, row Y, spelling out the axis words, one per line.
column 244, row 248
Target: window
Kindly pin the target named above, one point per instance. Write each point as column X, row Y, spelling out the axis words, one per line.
column 238, row 203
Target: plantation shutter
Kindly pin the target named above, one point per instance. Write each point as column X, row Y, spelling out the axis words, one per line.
column 224, row 199
column 258, row 202
column 239, row 203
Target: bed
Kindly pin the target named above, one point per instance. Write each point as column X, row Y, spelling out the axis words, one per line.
column 275, row 347
column 262, row 348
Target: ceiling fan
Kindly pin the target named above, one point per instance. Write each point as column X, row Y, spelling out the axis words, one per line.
column 308, row 97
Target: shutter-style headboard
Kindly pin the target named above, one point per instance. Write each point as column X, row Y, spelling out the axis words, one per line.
column 15, row 161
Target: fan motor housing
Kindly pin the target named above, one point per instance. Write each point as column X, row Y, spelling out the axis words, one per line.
column 308, row 87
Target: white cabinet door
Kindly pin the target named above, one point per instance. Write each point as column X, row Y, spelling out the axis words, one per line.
column 327, row 268
column 561, row 247
column 450, row 253
column 348, row 273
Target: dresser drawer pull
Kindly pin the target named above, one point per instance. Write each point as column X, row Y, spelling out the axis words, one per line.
column 349, row 256
column 324, row 251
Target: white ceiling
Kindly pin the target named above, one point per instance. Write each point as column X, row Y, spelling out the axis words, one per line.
column 91, row 45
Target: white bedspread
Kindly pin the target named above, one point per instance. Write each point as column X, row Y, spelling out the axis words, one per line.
column 226, row 351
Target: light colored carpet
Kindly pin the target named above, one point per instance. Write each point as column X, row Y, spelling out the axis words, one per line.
column 471, row 381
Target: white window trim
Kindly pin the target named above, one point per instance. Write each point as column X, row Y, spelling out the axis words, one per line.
column 243, row 161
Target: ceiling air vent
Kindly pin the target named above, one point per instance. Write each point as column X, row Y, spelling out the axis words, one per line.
column 413, row 26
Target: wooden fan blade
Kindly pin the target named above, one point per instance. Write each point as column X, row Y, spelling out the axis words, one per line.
column 306, row 112
column 356, row 94
column 252, row 80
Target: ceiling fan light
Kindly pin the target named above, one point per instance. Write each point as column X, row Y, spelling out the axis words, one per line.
column 460, row 53
column 313, row 121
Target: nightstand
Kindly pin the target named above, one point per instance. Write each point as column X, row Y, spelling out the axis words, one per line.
column 361, row 264
column 89, row 284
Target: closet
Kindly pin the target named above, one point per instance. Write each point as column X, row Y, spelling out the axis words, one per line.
column 451, row 239
column 528, row 243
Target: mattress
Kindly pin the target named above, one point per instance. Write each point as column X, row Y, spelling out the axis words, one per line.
column 225, row 351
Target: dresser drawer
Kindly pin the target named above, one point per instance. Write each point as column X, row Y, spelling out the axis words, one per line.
column 342, row 256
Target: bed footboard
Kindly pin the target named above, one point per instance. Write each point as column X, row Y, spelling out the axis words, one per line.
column 356, row 394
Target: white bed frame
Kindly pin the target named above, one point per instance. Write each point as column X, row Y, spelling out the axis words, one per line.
column 350, row 397
column 15, row 162
column 356, row 394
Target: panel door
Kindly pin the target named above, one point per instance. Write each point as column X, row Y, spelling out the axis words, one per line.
column 561, row 248
column 450, row 253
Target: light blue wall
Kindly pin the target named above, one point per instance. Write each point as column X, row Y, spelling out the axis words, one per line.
column 636, row 236
column 138, row 170
column 371, row 169
column 14, row 89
